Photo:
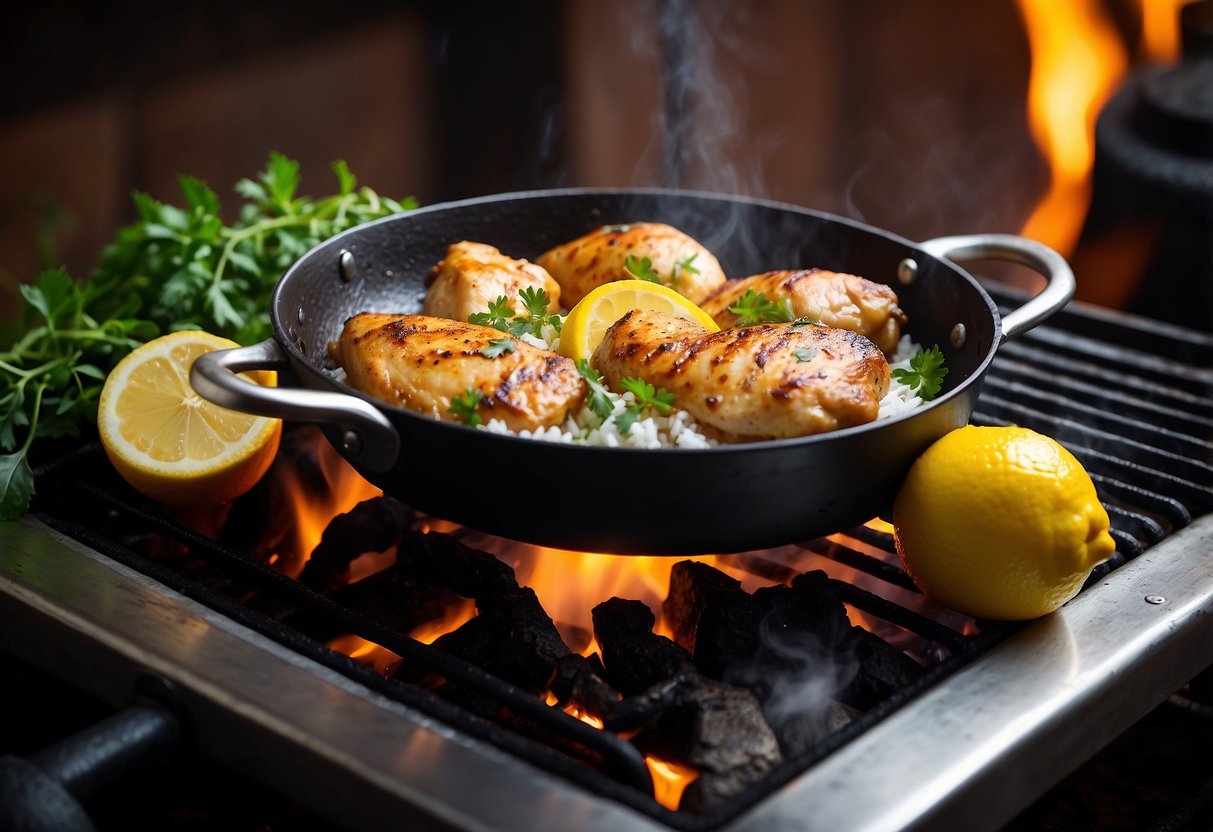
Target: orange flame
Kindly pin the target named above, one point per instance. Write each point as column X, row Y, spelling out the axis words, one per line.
column 1160, row 29
column 1077, row 61
column 311, row 512
column 670, row 780
column 367, row 653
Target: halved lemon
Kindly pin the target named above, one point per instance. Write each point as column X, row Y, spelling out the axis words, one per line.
column 170, row 443
column 589, row 320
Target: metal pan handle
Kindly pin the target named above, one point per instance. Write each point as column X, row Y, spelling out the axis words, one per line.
column 369, row 439
column 1057, row 292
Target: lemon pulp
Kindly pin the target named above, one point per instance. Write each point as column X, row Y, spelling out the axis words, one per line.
column 170, row 443
column 590, row 318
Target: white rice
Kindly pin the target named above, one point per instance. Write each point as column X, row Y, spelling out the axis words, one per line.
column 679, row 429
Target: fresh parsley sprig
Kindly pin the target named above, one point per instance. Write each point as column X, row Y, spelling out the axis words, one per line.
column 754, row 308
column 926, row 373
column 686, row 265
column 599, row 399
column 646, row 396
column 498, row 347
column 531, row 321
column 173, row 268
column 641, row 268
column 499, row 316
column 464, row 407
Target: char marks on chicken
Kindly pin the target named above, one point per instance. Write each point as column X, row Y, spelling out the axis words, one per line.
column 845, row 301
column 759, row 382
column 674, row 259
column 423, row 364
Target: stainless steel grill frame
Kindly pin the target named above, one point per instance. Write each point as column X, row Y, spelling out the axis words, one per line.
column 969, row 752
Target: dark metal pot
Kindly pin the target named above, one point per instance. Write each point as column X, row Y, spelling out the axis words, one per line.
column 670, row 501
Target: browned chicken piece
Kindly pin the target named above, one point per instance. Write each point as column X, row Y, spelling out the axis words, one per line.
column 601, row 256
column 473, row 275
column 423, row 363
column 767, row 381
column 845, row 301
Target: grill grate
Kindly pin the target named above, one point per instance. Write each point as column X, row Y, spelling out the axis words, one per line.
column 1129, row 398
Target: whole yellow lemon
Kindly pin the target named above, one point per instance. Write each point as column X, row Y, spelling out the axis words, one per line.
column 1000, row 522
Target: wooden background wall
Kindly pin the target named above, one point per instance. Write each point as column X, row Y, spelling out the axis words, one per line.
column 907, row 115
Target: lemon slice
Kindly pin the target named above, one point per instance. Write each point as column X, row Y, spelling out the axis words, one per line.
column 170, row 443
column 589, row 320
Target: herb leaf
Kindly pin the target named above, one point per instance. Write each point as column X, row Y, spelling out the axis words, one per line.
column 500, row 313
column 805, row 354
column 926, row 373
column 646, row 396
column 530, row 321
column 464, row 407
column 683, row 265
column 599, row 400
column 754, row 308
column 806, row 320
column 499, row 346
column 16, row 485
column 641, row 268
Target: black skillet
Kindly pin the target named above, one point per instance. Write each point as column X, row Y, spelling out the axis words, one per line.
column 669, row 501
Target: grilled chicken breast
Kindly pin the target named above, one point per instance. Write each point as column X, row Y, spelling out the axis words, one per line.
column 473, row 275
column 845, row 301
column 423, row 363
column 766, row 381
column 601, row 256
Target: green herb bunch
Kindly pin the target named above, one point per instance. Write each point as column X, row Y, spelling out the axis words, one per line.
column 174, row 268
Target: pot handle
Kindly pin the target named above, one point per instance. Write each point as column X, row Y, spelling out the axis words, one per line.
column 1010, row 247
column 368, row 437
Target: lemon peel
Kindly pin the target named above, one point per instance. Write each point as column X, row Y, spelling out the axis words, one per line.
column 590, row 318
column 167, row 441
column 1000, row 523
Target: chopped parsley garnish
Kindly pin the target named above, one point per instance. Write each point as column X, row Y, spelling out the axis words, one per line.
column 615, row 229
column 754, row 308
column 500, row 313
column 598, row 401
column 641, row 268
column 805, row 354
column 807, row 321
column 683, row 265
column 530, row 321
column 646, row 396
column 464, row 407
column 499, row 346
column 926, row 373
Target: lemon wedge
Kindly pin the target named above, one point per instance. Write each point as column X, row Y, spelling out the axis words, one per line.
column 170, row 443
column 589, row 320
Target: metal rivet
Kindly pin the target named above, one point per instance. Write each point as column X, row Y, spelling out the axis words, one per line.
column 302, row 346
column 1155, row 599
column 351, row 442
column 349, row 269
column 959, row 334
column 907, row 271
column 300, row 315
column 388, row 273
column 290, row 332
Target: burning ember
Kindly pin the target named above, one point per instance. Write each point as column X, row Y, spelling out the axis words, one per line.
column 717, row 668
